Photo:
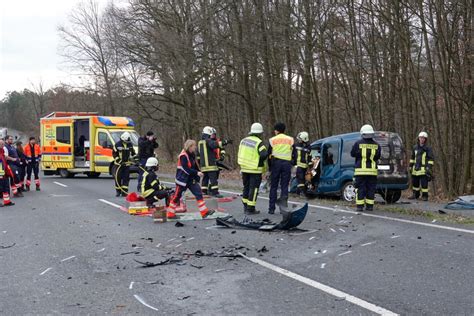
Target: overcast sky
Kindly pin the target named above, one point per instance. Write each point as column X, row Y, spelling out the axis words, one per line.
column 29, row 43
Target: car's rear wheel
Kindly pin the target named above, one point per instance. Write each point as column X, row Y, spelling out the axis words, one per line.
column 64, row 173
column 391, row 196
column 348, row 192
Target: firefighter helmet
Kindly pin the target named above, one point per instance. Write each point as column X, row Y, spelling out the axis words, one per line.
column 207, row 130
column 423, row 134
column 125, row 136
column 256, row 128
column 303, row 136
column 367, row 131
column 151, row 162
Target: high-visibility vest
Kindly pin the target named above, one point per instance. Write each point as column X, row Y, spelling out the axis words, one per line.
column 29, row 153
column 2, row 170
column 249, row 155
column 422, row 170
column 368, row 165
column 208, row 159
column 147, row 189
column 282, row 146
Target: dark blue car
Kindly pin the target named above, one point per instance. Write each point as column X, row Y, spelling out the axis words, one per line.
column 337, row 166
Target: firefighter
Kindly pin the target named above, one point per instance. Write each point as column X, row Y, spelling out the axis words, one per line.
column 123, row 153
column 421, row 166
column 151, row 189
column 146, row 149
column 13, row 162
column 280, row 153
column 301, row 159
column 5, row 173
column 220, row 154
column 208, row 160
column 366, row 152
column 22, row 166
column 33, row 157
column 188, row 176
column 252, row 158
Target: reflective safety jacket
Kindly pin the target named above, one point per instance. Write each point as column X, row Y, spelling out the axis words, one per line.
column 366, row 153
column 207, row 154
column 187, row 169
column 281, row 147
column 32, row 152
column 302, row 155
column 252, row 155
column 150, row 183
column 123, row 153
column 422, row 160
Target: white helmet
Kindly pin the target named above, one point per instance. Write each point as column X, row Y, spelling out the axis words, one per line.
column 151, row 162
column 125, row 136
column 367, row 131
column 256, row 128
column 207, row 130
column 214, row 131
column 303, row 136
column 423, row 134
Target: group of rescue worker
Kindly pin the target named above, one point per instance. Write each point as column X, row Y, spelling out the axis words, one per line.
column 199, row 165
column 17, row 164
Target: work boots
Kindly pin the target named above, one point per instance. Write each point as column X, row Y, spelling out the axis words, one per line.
column 424, row 198
column 38, row 188
column 251, row 210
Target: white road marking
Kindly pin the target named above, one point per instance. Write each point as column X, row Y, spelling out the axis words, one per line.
column 141, row 300
column 434, row 221
column 323, row 265
column 396, row 236
column 60, row 184
column 368, row 243
column 158, row 246
column 325, row 288
column 342, row 230
column 100, row 250
column 131, row 285
column 110, row 203
column 189, row 239
column 171, row 239
column 60, row 195
column 401, row 220
column 311, row 238
column 344, row 253
column 333, row 230
column 178, row 245
column 45, row 271
column 68, row 258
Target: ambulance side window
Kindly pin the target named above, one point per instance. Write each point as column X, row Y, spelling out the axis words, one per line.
column 104, row 140
column 63, row 134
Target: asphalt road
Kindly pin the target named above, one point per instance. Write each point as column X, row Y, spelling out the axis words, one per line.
column 74, row 254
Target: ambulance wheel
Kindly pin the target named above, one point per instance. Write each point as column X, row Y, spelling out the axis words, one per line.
column 93, row 174
column 348, row 192
column 65, row 174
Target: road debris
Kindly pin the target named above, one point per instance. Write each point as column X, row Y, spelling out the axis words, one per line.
column 6, row 247
column 148, row 264
column 179, row 224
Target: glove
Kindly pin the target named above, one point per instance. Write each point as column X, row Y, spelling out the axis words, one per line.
column 225, row 142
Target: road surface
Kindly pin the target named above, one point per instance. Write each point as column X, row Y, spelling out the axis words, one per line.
column 73, row 249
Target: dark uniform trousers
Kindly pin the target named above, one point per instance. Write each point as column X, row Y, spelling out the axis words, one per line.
column 122, row 178
column 300, row 177
column 280, row 176
column 366, row 187
column 209, row 181
column 251, row 183
column 420, row 184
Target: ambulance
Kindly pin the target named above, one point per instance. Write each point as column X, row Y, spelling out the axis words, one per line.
column 81, row 142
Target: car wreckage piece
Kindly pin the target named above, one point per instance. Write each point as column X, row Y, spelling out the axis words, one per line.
column 291, row 219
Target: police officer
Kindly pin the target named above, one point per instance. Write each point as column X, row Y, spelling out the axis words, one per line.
column 280, row 153
column 301, row 159
column 366, row 152
column 123, row 158
column 146, row 149
column 151, row 189
column 252, row 160
column 14, row 163
column 208, row 161
column 421, row 165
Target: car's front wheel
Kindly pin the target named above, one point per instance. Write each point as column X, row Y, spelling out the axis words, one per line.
column 391, row 196
column 348, row 192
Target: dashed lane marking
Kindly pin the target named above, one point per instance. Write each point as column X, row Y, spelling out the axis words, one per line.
column 325, row 288
column 368, row 243
column 344, row 253
column 68, row 258
column 45, row 271
column 60, row 184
